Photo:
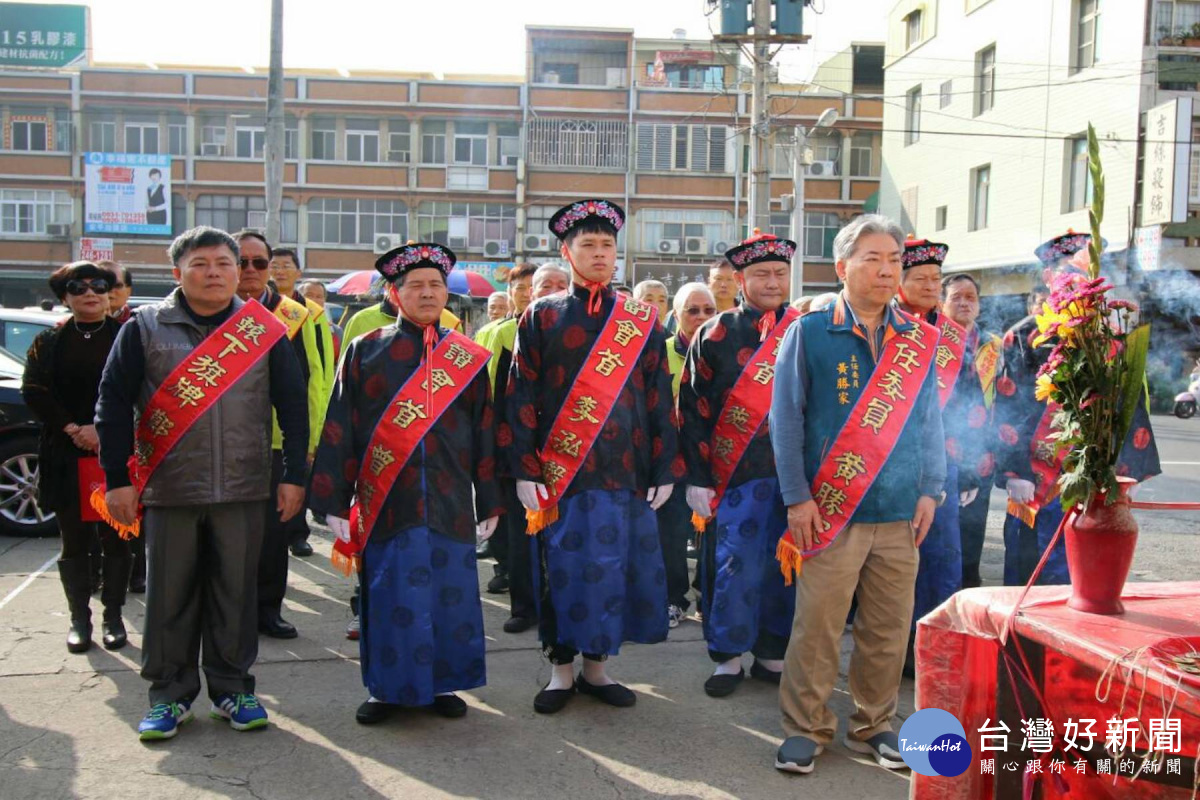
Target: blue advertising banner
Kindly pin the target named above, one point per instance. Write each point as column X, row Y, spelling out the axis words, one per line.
column 127, row 193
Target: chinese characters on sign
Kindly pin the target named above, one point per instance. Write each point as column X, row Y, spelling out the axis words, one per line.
column 34, row 35
column 127, row 193
column 1128, row 748
column 1165, row 170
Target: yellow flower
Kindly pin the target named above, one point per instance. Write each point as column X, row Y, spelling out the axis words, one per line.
column 1052, row 323
column 1044, row 388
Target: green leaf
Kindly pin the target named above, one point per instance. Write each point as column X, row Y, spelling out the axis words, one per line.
column 1133, row 383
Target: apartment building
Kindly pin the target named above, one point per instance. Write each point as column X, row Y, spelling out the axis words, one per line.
column 986, row 108
column 476, row 162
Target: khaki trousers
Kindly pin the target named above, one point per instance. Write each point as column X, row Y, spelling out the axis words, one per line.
column 880, row 561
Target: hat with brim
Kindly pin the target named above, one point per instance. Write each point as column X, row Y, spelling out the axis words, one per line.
column 1064, row 246
column 572, row 216
column 758, row 248
column 919, row 252
column 416, row 255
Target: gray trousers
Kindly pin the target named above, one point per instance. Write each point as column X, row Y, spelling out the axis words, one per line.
column 201, row 586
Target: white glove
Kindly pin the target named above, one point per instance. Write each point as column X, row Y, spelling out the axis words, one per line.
column 968, row 497
column 486, row 528
column 339, row 526
column 1019, row 490
column 699, row 499
column 659, row 495
column 528, row 493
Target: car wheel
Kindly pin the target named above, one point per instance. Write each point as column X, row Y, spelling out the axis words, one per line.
column 20, row 514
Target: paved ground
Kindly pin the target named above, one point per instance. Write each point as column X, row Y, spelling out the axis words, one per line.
column 67, row 721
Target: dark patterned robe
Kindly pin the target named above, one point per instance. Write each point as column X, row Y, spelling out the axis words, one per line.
column 637, row 447
column 721, row 349
column 434, row 487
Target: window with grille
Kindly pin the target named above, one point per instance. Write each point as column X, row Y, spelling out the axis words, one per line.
column 467, row 225
column 556, row 142
column 141, row 137
column 31, row 210
column 340, row 220
column 236, row 212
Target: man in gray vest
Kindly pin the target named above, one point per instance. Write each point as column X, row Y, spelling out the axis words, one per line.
column 184, row 420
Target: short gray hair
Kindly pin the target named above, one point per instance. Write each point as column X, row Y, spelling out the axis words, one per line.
column 300, row 287
column 687, row 290
column 639, row 291
column 546, row 269
column 847, row 239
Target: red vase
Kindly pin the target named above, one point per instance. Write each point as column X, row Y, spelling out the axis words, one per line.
column 1100, row 545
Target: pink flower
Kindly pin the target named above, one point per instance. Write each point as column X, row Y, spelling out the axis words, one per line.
column 1122, row 304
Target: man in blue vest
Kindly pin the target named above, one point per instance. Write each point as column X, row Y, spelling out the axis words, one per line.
column 832, row 365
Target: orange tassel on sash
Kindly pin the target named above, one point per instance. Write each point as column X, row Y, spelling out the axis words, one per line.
column 790, row 558
column 536, row 521
column 126, row 532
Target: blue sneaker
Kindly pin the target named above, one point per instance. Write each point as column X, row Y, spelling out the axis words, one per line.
column 163, row 720
column 242, row 710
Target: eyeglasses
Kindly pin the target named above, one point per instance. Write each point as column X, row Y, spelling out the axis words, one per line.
column 258, row 263
column 76, row 288
column 693, row 310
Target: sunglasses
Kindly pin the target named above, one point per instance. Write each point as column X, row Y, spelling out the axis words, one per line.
column 258, row 263
column 77, row 287
column 118, row 286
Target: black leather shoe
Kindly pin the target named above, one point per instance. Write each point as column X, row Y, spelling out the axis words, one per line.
column 302, row 549
column 373, row 713
column 449, row 705
column 519, row 624
column 614, row 693
column 498, row 584
column 723, row 685
column 761, row 673
column 114, row 634
column 551, row 701
column 79, row 638
column 277, row 627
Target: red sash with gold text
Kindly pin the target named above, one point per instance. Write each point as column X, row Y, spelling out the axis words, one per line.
column 949, row 356
column 192, row 388
column 1046, row 461
column 747, row 405
column 591, row 399
column 867, row 438
column 409, row 416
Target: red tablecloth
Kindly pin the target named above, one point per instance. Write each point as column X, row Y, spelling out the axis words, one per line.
column 959, row 669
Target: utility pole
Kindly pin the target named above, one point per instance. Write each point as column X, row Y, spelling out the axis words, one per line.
column 760, row 148
column 273, row 152
column 798, row 168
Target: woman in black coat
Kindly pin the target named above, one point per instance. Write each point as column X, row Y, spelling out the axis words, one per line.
column 62, row 379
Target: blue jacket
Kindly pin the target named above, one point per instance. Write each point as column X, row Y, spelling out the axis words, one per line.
column 824, row 363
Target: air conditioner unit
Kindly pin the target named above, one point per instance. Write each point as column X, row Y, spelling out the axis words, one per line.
column 695, row 245
column 456, row 242
column 719, row 248
column 823, row 168
column 509, row 161
column 212, row 149
column 399, row 156
column 549, row 77
column 58, row 229
column 669, row 246
column 385, row 242
column 614, row 77
column 495, row 248
column 537, row 243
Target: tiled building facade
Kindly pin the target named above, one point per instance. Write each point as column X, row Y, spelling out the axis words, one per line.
column 476, row 162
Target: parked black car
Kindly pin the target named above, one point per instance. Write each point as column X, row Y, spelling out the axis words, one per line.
column 19, row 511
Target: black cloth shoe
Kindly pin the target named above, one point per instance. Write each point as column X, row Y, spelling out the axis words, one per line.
column 519, row 624
column 614, row 693
column 373, row 713
column 302, row 549
column 75, row 574
column 551, row 701
column 723, row 685
column 276, row 627
column 114, row 637
column 498, row 584
column 796, row 754
column 449, row 705
column 761, row 673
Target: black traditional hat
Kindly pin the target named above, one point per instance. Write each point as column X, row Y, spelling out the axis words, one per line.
column 572, row 216
column 918, row 252
column 758, row 248
column 1064, row 246
column 416, row 255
